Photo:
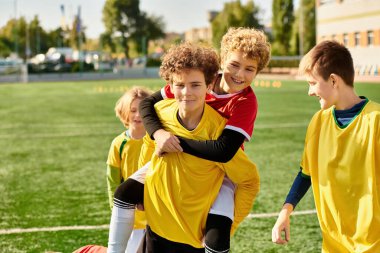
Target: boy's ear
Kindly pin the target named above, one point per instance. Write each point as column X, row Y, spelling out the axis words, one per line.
column 210, row 87
column 334, row 79
column 222, row 62
column 171, row 87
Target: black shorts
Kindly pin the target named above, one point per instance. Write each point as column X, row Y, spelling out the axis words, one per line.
column 153, row 243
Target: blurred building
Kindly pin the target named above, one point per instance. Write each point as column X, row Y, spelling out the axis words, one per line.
column 199, row 34
column 159, row 45
column 356, row 24
column 202, row 34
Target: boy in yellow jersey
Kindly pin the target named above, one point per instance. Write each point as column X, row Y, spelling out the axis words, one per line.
column 341, row 158
column 244, row 53
column 124, row 154
column 180, row 188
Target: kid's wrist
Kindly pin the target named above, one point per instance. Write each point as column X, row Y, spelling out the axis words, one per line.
column 157, row 133
column 287, row 209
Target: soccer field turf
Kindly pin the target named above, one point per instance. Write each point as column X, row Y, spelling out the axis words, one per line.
column 54, row 140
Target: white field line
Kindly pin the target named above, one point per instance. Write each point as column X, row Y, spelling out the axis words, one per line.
column 55, row 135
column 270, row 215
column 283, row 125
column 50, row 229
column 106, row 226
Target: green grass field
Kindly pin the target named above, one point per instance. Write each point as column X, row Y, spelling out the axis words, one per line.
column 54, row 140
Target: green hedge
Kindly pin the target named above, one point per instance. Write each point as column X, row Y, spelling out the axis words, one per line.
column 153, row 62
column 294, row 63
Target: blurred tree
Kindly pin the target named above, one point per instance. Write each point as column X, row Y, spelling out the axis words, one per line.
column 304, row 29
column 7, row 38
column 77, row 33
column 295, row 37
column 120, row 18
column 149, row 28
column 22, row 37
column 309, row 27
column 38, row 38
column 56, row 38
column 5, row 46
column 29, row 37
column 7, row 30
column 107, row 42
column 282, row 23
column 91, row 44
column 234, row 14
column 14, row 35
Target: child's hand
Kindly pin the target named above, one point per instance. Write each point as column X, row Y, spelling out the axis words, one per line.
column 166, row 142
column 282, row 225
column 140, row 207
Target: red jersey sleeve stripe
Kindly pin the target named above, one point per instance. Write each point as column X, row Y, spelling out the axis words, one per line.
column 240, row 130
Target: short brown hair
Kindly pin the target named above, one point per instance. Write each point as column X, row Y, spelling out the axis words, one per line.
column 253, row 43
column 190, row 56
column 123, row 105
column 326, row 58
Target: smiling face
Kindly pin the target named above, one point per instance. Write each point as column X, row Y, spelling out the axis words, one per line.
column 134, row 118
column 322, row 89
column 238, row 72
column 189, row 89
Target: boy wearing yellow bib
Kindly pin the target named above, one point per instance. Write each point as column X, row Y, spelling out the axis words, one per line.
column 341, row 158
column 123, row 156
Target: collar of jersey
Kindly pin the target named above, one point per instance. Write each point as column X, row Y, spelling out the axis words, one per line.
column 353, row 118
column 228, row 95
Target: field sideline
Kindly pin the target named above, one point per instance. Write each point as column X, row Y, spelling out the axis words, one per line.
column 106, row 226
column 55, row 137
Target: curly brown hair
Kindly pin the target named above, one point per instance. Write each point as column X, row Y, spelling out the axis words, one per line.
column 253, row 43
column 190, row 56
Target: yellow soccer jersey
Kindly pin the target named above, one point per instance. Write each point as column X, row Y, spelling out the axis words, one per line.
column 344, row 165
column 180, row 188
column 122, row 162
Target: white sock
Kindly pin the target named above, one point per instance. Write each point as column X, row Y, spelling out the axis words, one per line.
column 135, row 240
column 121, row 227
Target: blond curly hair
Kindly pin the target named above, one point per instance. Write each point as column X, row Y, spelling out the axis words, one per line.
column 253, row 43
column 190, row 56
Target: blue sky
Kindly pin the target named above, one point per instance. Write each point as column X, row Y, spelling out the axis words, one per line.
column 179, row 15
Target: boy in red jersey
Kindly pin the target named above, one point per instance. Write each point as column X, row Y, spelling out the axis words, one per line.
column 341, row 157
column 181, row 188
column 244, row 53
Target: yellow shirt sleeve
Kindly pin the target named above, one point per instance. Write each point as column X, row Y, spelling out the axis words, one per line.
column 244, row 173
column 147, row 151
column 309, row 147
column 113, row 181
column 113, row 171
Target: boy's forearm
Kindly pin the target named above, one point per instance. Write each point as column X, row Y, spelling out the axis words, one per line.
column 221, row 150
column 148, row 114
column 300, row 186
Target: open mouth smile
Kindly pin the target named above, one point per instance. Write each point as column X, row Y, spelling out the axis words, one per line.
column 237, row 81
